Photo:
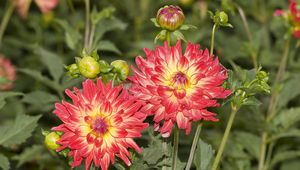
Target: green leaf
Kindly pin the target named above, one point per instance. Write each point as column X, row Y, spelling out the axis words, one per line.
column 104, row 13
column 155, row 22
column 53, row 62
column 39, row 98
column 108, row 46
column 287, row 118
column 29, row 154
column 290, row 133
column 106, row 25
column 72, row 36
column 283, row 156
column 4, row 163
column 289, row 91
column 153, row 152
column 38, row 76
column 104, row 66
column 179, row 35
column 249, row 141
column 4, row 95
column 203, row 156
column 187, row 27
column 161, row 36
column 19, row 131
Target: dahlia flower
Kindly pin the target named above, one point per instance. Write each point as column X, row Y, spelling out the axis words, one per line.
column 44, row 5
column 99, row 124
column 178, row 88
column 7, row 73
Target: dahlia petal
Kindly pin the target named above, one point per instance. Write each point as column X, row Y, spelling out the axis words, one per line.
column 88, row 161
column 181, row 120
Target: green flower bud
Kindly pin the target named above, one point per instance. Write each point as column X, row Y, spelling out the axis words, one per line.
column 73, row 70
column 121, row 68
column 223, row 17
column 170, row 17
column 89, row 67
column 51, row 139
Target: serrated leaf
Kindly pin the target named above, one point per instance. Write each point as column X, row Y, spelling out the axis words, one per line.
column 4, row 163
column 19, row 131
column 108, row 46
column 39, row 98
column 203, row 156
column 249, row 141
column 287, row 118
column 153, row 152
column 53, row 62
column 29, row 154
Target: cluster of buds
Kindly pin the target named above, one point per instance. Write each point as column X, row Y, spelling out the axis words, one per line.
column 292, row 16
column 248, row 84
column 90, row 66
column 170, row 19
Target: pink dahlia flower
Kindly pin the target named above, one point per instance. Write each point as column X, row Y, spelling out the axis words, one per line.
column 178, row 88
column 7, row 73
column 44, row 5
column 99, row 124
column 295, row 12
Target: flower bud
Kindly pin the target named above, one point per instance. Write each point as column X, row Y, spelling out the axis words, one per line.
column 121, row 68
column 223, row 17
column 51, row 139
column 73, row 70
column 7, row 73
column 89, row 67
column 170, row 17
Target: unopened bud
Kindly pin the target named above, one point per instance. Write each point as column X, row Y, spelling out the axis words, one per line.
column 89, row 67
column 51, row 139
column 170, row 17
column 121, row 68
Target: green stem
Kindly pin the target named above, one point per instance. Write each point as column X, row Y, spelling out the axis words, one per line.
column 249, row 35
column 91, row 37
column 273, row 102
column 193, row 148
column 165, row 150
column 168, row 37
column 212, row 42
column 263, row 148
column 9, row 11
column 175, row 149
column 269, row 155
column 225, row 138
column 87, row 24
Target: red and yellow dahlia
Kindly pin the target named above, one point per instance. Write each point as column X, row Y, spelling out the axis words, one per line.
column 7, row 73
column 178, row 88
column 99, row 124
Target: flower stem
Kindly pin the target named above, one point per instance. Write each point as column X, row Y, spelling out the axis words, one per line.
column 175, row 149
column 225, row 138
column 9, row 11
column 273, row 102
column 165, row 150
column 249, row 35
column 212, row 42
column 168, row 37
column 87, row 24
column 193, row 148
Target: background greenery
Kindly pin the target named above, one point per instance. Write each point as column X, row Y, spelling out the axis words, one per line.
column 40, row 45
